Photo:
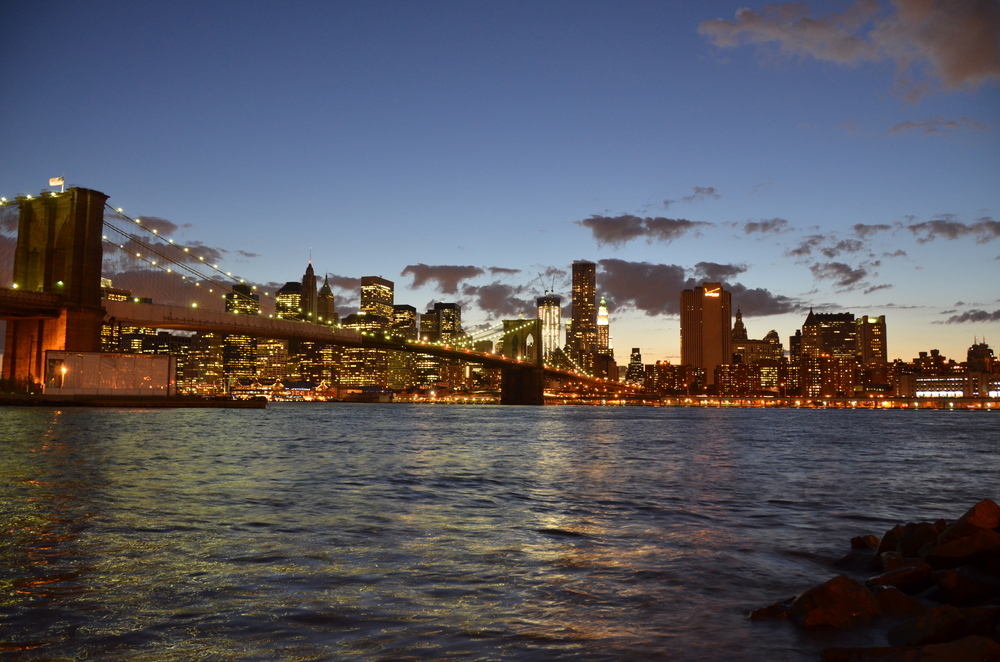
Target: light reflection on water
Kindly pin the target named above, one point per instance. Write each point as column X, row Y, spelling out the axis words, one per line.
column 405, row 532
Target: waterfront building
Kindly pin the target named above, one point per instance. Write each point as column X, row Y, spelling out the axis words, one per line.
column 402, row 365
column 603, row 328
column 550, row 314
column 364, row 367
column 581, row 334
column 706, row 328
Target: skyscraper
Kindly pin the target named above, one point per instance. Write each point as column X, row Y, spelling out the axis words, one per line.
column 634, row 374
column 550, row 313
column 582, row 333
column 309, row 298
column 288, row 301
column 603, row 328
column 828, row 362
column 326, row 308
column 239, row 352
column 871, row 340
column 377, row 297
column 706, row 328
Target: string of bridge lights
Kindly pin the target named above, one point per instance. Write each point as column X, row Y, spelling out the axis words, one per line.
column 178, row 265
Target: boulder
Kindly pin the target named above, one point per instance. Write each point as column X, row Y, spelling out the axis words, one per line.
column 865, row 542
column 978, row 545
column 894, row 602
column 771, row 612
column 890, row 541
column 837, row 603
column 913, row 576
column 964, row 586
column 944, row 623
column 985, row 515
column 916, row 535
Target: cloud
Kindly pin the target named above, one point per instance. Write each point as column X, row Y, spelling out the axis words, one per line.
column 876, row 288
column 500, row 300
column 618, row 230
column 769, row 225
column 985, row 229
column 655, row 289
column 843, row 275
column 864, row 231
column 163, row 227
column 950, row 42
column 937, row 125
column 700, row 193
column 447, row 277
column 713, row 272
column 503, row 271
column 346, row 283
column 806, row 246
column 974, row 316
column 759, row 302
column 843, row 246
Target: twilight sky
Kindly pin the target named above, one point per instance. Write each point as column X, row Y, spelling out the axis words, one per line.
column 836, row 155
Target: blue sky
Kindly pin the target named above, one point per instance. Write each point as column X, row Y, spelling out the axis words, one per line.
column 836, row 155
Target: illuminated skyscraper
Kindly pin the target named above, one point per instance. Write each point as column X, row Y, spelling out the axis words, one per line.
column 634, row 374
column 603, row 328
column 239, row 352
column 377, row 298
column 828, row 361
column 582, row 332
column 706, row 328
column 871, row 341
column 550, row 313
column 288, row 301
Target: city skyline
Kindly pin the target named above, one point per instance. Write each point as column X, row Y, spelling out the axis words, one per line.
column 471, row 154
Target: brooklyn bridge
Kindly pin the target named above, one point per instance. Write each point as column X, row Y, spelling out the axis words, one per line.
column 56, row 301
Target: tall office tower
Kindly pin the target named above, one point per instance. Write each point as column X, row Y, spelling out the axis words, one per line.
column 706, row 328
column 288, row 301
column 871, row 340
column 309, row 298
column 603, row 328
column 204, row 374
column 239, row 352
column 404, row 321
column 634, row 374
column 377, row 297
column 272, row 358
column 402, row 365
column 362, row 367
column 326, row 309
column 582, row 333
column 828, row 362
column 550, row 313
column 449, row 321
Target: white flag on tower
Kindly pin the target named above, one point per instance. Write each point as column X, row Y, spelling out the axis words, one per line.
column 57, row 181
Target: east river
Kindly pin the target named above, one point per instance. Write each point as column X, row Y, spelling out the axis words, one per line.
column 406, row 532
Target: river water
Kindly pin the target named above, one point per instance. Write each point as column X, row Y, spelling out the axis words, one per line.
column 417, row 532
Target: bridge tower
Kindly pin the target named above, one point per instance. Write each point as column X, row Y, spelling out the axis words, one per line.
column 523, row 385
column 58, row 258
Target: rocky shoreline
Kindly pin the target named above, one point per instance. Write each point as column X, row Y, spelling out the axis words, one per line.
column 935, row 586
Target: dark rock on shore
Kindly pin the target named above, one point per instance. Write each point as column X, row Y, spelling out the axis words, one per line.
column 944, row 577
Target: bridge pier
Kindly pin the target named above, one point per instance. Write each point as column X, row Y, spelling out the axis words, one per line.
column 522, row 386
column 58, row 256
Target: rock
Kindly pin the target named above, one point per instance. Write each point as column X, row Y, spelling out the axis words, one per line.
column 979, row 544
column 914, row 576
column 985, row 515
column 896, row 603
column 895, row 561
column 916, row 535
column 771, row 612
column 856, row 561
column 944, row 623
column 865, row 542
column 837, row 603
column 966, row 649
column 890, row 541
column 964, row 586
